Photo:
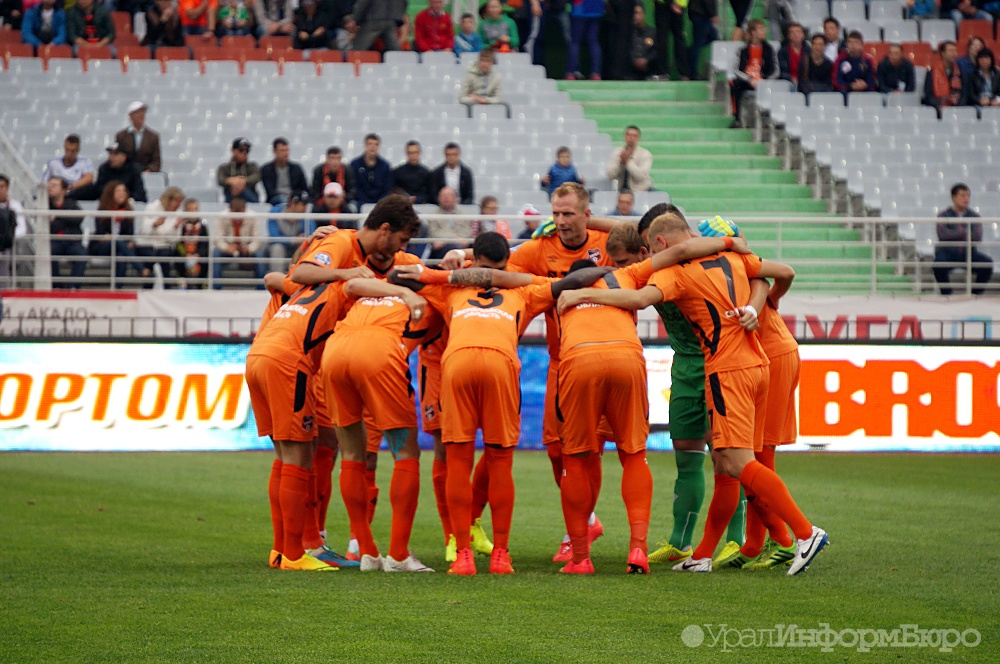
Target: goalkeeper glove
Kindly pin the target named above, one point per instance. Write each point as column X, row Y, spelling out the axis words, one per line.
column 718, row 227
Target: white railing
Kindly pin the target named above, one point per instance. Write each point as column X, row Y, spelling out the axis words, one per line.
column 879, row 256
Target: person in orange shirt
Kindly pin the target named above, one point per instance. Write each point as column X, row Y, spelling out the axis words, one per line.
column 480, row 387
column 285, row 355
column 709, row 292
column 365, row 366
column 552, row 257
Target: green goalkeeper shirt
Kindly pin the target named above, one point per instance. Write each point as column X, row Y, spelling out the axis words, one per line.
column 682, row 337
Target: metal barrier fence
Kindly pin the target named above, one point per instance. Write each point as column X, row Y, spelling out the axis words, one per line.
column 874, row 256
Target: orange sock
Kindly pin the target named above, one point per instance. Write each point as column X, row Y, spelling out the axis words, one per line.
column 500, row 464
column 595, row 473
column 459, row 490
column 720, row 512
column 323, row 465
column 439, row 476
column 771, row 494
column 480, row 488
column 311, row 538
column 555, row 457
column 403, row 493
column 354, row 491
column 372, row 494
column 292, row 494
column 637, row 492
column 273, row 490
column 760, row 522
column 577, row 503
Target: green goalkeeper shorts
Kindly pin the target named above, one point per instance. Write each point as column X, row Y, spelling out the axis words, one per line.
column 688, row 413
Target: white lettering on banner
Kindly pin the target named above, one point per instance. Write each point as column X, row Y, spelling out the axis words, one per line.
column 61, row 314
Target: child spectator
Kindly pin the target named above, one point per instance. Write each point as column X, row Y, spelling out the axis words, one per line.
column 233, row 19
column 895, row 73
column 468, row 40
column 497, row 29
column 348, row 30
column 854, row 70
column 562, row 171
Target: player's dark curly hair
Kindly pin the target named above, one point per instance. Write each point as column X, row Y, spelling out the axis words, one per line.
column 491, row 246
column 395, row 210
column 581, row 264
column 656, row 211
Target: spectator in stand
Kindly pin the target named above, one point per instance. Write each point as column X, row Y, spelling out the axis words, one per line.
column 643, row 46
column 20, row 228
column 482, row 83
column 140, row 143
column 280, row 176
column 984, row 84
column 957, row 239
column 530, row 225
column 118, row 232
column 11, row 14
column 757, row 62
column 403, row 34
column 237, row 240
column 89, row 24
column 625, row 205
column 413, row 177
column 562, row 171
column 490, row 206
column 945, row 85
column 274, row 17
column 334, row 170
column 960, row 10
column 280, row 230
column 704, row 15
column 896, row 73
column 921, row 9
column 468, row 40
column 497, row 30
column 193, row 248
column 834, row 39
column 234, row 18
column 433, row 29
column 44, row 23
column 669, row 18
column 854, row 70
column 333, row 202
column 59, row 228
column 238, row 177
column 346, row 34
column 585, row 22
column 527, row 15
column 120, row 168
column 632, row 164
column 780, row 15
column 815, row 70
column 378, row 19
column 552, row 11
column 76, row 170
column 310, row 26
column 967, row 63
column 790, row 53
column 198, row 18
column 159, row 233
column 163, row 25
column 447, row 200
column 454, row 174
column 373, row 174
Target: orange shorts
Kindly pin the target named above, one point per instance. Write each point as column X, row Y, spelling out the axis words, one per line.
column 780, row 423
column 369, row 368
column 324, row 418
column 374, row 433
column 282, row 398
column 550, row 421
column 430, row 395
column 607, row 380
column 734, row 399
column 480, row 389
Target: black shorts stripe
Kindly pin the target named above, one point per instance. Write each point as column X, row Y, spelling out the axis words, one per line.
column 423, row 381
column 717, row 400
column 301, row 381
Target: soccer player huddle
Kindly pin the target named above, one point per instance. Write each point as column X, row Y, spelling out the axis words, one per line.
column 329, row 370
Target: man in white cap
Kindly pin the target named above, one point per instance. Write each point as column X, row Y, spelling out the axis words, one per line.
column 333, row 201
column 140, row 143
column 530, row 225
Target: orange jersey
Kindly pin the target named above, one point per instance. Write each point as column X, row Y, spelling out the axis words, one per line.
column 494, row 318
column 288, row 286
column 709, row 292
column 774, row 335
column 598, row 324
column 549, row 257
column 392, row 314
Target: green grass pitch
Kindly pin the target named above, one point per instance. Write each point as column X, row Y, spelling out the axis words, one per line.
column 162, row 557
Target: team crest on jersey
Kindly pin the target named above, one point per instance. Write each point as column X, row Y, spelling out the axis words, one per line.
column 322, row 259
column 307, row 423
column 594, row 255
column 429, row 412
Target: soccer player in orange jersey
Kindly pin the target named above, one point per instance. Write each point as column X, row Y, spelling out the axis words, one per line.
column 552, row 257
column 709, row 292
column 285, row 354
column 365, row 366
column 480, row 380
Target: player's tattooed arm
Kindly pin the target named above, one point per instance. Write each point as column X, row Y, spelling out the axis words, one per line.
column 579, row 279
column 623, row 298
column 308, row 274
column 482, row 277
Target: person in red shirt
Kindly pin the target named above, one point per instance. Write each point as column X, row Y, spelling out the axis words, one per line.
column 434, row 30
column 790, row 53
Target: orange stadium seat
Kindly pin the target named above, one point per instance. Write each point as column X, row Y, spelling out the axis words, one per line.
column 10, row 36
column 276, row 43
column 165, row 53
column 207, row 54
column 126, row 39
column 54, row 52
column 877, row 50
column 363, row 57
column 255, row 55
column 198, row 41
column 969, row 28
column 919, row 52
column 318, row 56
column 95, row 53
column 238, row 41
column 126, row 53
column 122, row 21
column 8, row 51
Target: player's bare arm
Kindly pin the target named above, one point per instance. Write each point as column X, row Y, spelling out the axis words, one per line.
column 622, row 298
column 356, row 288
column 455, row 259
column 579, row 279
column 758, row 300
column 273, row 282
column 783, row 276
column 308, row 274
column 318, row 234
column 697, row 247
column 477, row 277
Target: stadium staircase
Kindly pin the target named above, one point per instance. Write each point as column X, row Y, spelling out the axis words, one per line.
column 710, row 169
